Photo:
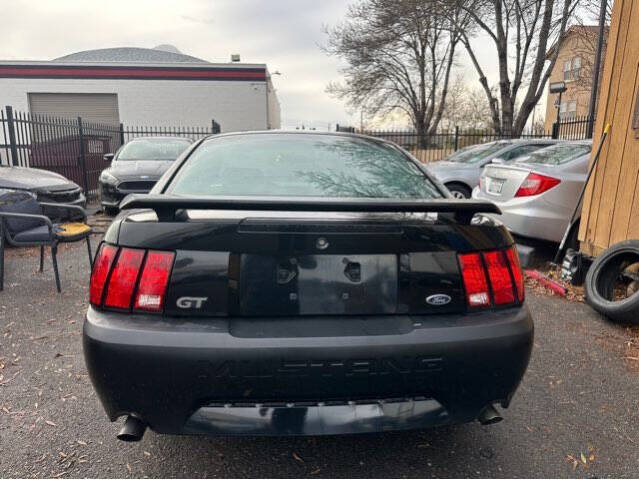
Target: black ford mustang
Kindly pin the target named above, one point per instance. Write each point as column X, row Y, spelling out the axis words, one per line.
column 296, row 283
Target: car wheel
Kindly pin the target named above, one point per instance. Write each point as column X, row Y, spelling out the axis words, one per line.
column 458, row 190
column 612, row 283
column 111, row 211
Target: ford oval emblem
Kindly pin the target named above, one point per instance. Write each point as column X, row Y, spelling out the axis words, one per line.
column 438, row 299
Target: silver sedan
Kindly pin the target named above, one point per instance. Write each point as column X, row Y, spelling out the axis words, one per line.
column 537, row 195
column 460, row 171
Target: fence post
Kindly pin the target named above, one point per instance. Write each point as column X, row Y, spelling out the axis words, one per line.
column 83, row 159
column 12, row 136
column 215, row 127
column 456, row 137
column 121, row 134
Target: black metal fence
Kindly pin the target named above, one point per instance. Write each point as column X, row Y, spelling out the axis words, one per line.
column 73, row 147
column 575, row 128
column 439, row 145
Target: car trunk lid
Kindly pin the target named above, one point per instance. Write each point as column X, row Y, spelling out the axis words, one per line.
column 288, row 263
column 501, row 182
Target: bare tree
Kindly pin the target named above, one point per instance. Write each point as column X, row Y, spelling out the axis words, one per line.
column 521, row 32
column 399, row 56
column 588, row 12
column 466, row 107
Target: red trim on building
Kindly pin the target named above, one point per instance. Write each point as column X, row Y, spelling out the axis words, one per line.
column 142, row 73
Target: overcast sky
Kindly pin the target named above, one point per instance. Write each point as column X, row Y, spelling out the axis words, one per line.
column 284, row 34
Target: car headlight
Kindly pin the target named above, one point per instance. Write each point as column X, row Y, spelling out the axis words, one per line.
column 106, row 177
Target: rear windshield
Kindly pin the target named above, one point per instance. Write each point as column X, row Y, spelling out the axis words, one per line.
column 477, row 153
column 153, row 149
column 558, row 154
column 300, row 165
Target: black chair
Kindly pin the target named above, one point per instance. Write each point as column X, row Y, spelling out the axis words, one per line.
column 22, row 224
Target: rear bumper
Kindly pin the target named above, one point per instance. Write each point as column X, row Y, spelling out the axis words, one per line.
column 533, row 223
column 530, row 217
column 279, row 376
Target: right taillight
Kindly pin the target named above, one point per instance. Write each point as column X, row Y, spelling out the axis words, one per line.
column 499, row 277
column 534, row 184
column 125, row 278
column 492, row 278
column 518, row 275
column 475, row 283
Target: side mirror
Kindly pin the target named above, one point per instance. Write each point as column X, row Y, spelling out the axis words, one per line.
column 108, row 157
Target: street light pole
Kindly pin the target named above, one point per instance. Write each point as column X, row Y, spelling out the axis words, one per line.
column 594, row 89
column 560, row 88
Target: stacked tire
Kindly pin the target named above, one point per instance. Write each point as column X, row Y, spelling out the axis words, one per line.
column 602, row 278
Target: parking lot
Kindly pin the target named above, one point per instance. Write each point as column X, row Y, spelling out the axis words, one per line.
column 576, row 413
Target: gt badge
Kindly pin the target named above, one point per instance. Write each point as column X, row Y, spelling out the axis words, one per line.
column 191, row 302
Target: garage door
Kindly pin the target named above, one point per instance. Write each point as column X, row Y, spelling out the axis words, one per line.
column 92, row 107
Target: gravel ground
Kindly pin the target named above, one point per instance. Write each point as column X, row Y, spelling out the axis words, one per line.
column 575, row 415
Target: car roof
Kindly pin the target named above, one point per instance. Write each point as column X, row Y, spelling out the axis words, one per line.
column 571, row 142
column 516, row 141
column 161, row 137
column 580, row 142
column 300, row 133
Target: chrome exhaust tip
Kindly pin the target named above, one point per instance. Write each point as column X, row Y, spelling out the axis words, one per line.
column 489, row 416
column 132, row 430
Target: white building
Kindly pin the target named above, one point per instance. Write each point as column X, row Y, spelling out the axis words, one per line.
column 147, row 87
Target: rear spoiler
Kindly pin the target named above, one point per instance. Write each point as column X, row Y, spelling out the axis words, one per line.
column 166, row 206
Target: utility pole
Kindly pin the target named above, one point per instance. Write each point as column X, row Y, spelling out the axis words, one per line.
column 594, row 89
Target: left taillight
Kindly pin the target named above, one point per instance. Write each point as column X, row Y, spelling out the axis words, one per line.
column 125, row 278
column 119, row 290
column 101, row 268
column 535, row 184
column 153, row 281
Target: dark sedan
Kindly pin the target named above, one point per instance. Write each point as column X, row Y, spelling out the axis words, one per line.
column 136, row 166
column 49, row 187
column 304, row 284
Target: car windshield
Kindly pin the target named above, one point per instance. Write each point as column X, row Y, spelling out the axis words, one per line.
column 301, row 165
column 558, row 154
column 153, row 149
column 477, row 153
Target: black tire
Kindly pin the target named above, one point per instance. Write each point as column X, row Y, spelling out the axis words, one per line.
column 601, row 278
column 459, row 188
column 111, row 211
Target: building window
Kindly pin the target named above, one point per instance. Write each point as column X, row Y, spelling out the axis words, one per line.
column 572, row 109
column 576, row 67
column 567, row 70
column 568, row 110
column 572, row 69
